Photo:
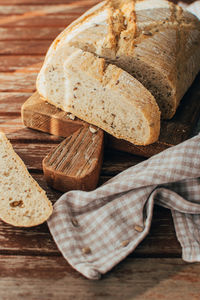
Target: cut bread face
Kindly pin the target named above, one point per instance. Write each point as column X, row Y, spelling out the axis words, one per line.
column 106, row 96
column 22, row 202
column 153, row 40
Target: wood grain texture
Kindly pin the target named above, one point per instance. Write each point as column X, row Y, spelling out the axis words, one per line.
column 39, row 20
column 17, row 82
column 27, row 136
column 30, row 33
column 64, row 8
column 11, row 102
column 52, row 278
column 33, row 154
column 75, row 164
column 10, row 124
column 40, row 115
column 21, row 63
column 24, row 47
column 45, row 2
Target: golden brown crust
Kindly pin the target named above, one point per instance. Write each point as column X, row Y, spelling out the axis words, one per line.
column 151, row 34
column 121, row 83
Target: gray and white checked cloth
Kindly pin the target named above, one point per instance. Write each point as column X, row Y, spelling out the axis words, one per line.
column 96, row 230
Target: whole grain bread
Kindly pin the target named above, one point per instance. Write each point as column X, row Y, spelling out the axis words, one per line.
column 102, row 94
column 22, row 202
column 154, row 40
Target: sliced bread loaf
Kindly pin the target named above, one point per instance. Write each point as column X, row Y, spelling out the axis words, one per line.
column 22, row 202
column 154, row 40
column 108, row 97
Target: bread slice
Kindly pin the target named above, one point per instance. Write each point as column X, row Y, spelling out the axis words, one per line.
column 22, row 202
column 106, row 96
column 154, row 40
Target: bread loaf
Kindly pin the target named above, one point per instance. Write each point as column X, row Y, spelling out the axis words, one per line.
column 22, row 201
column 155, row 41
column 102, row 94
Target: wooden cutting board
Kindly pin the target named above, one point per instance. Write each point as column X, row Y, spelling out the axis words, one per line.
column 76, row 162
column 40, row 115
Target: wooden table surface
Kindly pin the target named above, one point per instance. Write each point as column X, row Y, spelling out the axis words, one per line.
column 31, row 267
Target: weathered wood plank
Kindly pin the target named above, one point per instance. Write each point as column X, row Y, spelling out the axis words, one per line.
column 30, row 33
column 51, row 2
column 17, row 82
column 52, row 20
column 65, row 8
column 24, row 47
column 139, row 279
column 21, row 63
column 45, row 2
column 10, row 103
column 33, row 154
column 75, row 164
column 10, row 123
column 26, row 135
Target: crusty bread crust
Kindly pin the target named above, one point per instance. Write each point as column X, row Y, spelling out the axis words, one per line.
column 153, row 40
column 23, row 202
column 102, row 94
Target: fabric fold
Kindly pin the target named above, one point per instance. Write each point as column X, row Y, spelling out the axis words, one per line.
column 96, row 230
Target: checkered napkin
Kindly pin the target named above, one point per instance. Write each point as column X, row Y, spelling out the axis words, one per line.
column 96, row 230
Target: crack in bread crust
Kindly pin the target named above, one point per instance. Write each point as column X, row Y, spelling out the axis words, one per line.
column 144, row 39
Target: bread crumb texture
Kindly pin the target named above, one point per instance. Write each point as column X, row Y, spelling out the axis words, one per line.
column 155, row 41
column 105, row 98
column 22, row 202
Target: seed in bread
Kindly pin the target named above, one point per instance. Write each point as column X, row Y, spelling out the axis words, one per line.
column 155, row 41
column 108, row 97
column 22, row 202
